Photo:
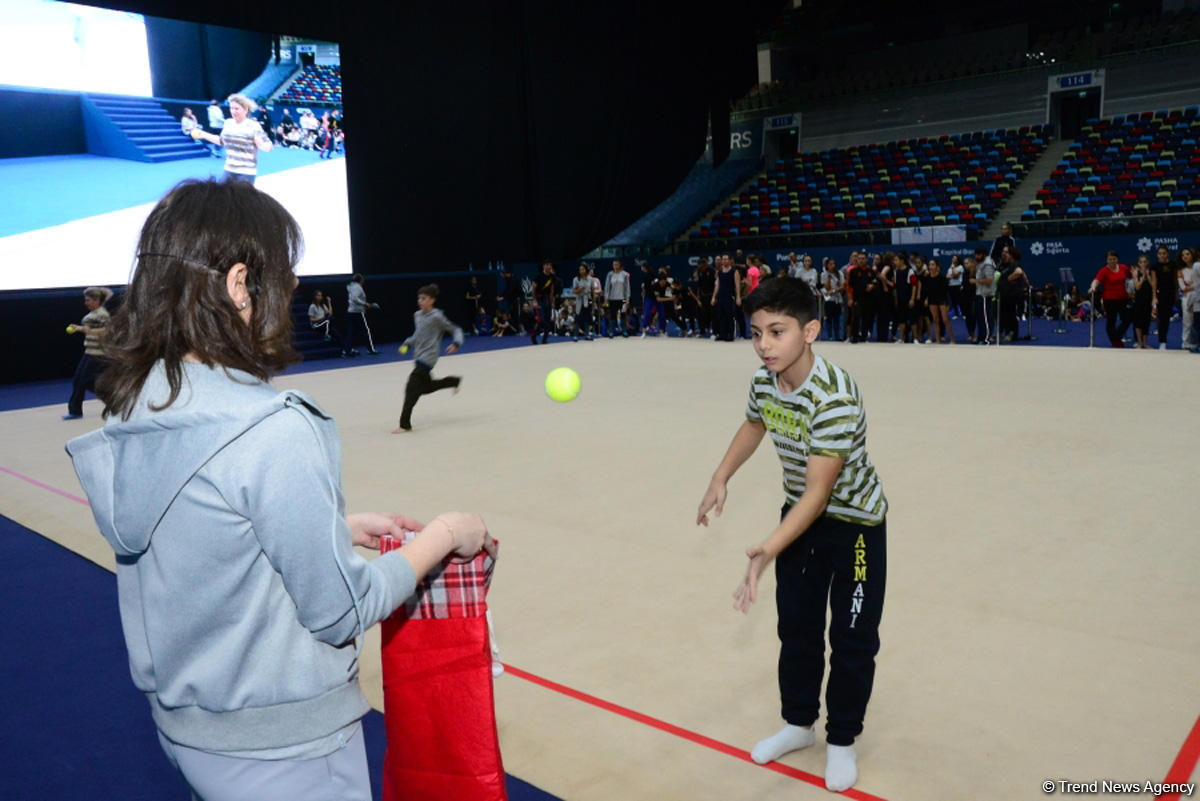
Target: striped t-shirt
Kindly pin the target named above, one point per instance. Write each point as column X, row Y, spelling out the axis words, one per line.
column 241, row 151
column 95, row 319
column 825, row 417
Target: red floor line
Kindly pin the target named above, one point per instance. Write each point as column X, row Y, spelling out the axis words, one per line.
column 1185, row 762
column 47, row 487
column 670, row 728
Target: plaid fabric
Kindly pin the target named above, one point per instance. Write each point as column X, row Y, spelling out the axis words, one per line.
column 450, row 590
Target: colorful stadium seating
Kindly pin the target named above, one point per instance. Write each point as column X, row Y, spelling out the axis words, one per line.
column 949, row 180
column 1133, row 164
column 320, row 84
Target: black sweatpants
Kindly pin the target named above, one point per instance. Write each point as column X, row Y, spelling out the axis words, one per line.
column 846, row 564
column 1166, row 303
column 421, row 382
column 1116, row 321
column 86, row 373
column 726, row 310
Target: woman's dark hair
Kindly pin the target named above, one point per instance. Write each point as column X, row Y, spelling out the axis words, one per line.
column 178, row 303
column 783, row 295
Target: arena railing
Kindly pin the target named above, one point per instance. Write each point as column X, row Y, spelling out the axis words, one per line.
column 1108, row 224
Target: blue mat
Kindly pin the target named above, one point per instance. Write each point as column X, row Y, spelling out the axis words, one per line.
column 76, row 726
column 51, row 190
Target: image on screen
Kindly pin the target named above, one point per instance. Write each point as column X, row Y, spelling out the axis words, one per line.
column 93, row 141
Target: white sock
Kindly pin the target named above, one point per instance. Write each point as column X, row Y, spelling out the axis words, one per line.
column 841, row 767
column 789, row 738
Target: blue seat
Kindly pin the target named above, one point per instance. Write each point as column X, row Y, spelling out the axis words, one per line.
column 1107, row 209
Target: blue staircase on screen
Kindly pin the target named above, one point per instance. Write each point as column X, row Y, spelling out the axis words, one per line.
column 135, row 128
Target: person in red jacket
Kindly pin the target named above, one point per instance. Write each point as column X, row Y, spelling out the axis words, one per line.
column 1112, row 280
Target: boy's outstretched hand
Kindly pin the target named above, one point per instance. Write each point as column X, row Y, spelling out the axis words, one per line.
column 747, row 592
column 714, row 499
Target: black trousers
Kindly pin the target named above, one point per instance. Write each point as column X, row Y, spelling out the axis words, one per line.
column 864, row 319
column 1165, row 304
column 1116, row 321
column 846, row 565
column 968, row 307
column 614, row 313
column 1010, row 305
column 86, row 373
column 546, row 323
column 985, row 312
column 833, row 322
column 583, row 321
column 705, row 315
column 421, row 382
column 726, row 309
column 883, row 318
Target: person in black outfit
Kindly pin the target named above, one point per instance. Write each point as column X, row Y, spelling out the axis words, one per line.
column 1143, row 300
column 884, row 306
column 937, row 287
column 511, row 296
column 1005, row 240
column 726, row 298
column 1011, row 291
column 907, row 292
column 546, row 289
column 862, row 283
column 1164, row 277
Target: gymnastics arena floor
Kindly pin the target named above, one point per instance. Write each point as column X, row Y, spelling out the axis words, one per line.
column 1040, row 624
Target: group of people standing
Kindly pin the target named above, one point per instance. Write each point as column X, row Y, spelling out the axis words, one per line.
column 898, row 297
column 1149, row 293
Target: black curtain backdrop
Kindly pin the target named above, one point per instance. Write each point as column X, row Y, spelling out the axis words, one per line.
column 193, row 61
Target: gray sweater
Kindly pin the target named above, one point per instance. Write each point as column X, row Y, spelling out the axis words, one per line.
column 234, row 562
column 426, row 340
column 356, row 298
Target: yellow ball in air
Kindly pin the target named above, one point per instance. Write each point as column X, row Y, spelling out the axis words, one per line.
column 562, row 384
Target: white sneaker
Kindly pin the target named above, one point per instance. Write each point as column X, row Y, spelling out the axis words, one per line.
column 1162, row 346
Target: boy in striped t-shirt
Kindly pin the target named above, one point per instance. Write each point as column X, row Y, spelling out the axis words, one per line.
column 830, row 542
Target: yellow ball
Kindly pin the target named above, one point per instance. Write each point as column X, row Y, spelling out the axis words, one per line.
column 70, row 329
column 562, row 384
column 403, row 349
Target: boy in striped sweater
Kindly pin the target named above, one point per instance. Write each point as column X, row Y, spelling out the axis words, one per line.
column 830, row 542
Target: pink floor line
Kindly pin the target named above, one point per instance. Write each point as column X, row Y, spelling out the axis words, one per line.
column 46, row 487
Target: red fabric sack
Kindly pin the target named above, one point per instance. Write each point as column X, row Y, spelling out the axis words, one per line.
column 439, row 710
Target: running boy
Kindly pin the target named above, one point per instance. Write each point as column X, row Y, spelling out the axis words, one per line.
column 832, row 529
column 426, row 340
